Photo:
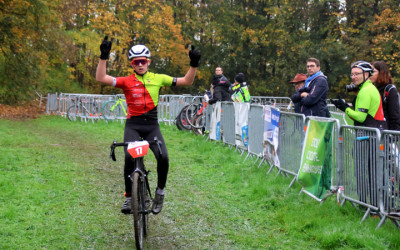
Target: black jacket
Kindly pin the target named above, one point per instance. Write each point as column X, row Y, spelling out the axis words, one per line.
column 315, row 103
column 390, row 104
column 296, row 99
column 221, row 89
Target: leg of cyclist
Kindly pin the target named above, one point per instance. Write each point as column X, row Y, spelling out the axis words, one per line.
column 146, row 129
column 162, row 167
column 131, row 134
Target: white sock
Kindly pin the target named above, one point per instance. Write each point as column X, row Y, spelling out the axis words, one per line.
column 160, row 191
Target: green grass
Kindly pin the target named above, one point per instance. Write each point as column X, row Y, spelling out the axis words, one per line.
column 60, row 190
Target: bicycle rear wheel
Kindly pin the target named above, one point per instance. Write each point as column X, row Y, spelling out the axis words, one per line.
column 138, row 209
column 109, row 113
column 181, row 120
column 72, row 113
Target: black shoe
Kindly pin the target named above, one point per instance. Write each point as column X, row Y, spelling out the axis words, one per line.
column 157, row 203
column 126, row 207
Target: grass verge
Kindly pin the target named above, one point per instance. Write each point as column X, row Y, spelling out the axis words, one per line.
column 60, row 190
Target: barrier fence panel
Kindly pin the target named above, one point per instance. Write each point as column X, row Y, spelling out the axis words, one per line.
column 390, row 186
column 163, row 108
column 270, row 100
column 360, row 166
column 291, row 137
column 228, row 123
column 52, row 103
column 208, row 115
column 176, row 105
column 256, row 130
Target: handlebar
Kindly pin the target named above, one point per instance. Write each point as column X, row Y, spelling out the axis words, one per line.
column 115, row 144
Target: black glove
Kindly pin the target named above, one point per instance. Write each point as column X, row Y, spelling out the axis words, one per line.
column 216, row 80
column 105, row 49
column 340, row 104
column 194, row 56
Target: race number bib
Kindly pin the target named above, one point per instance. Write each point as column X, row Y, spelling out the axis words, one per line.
column 138, row 149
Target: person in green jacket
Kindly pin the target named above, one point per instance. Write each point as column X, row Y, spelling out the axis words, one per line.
column 240, row 90
column 368, row 111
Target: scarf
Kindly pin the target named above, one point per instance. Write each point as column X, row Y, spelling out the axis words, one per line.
column 312, row 77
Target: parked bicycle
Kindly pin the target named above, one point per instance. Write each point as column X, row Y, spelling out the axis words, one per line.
column 141, row 194
column 114, row 109
column 196, row 114
column 84, row 109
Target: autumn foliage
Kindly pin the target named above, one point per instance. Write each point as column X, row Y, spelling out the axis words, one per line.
column 53, row 46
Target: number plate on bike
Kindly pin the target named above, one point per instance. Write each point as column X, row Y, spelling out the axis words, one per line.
column 138, row 148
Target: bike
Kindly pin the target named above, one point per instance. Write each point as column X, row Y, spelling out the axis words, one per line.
column 83, row 109
column 141, row 193
column 196, row 116
column 114, row 109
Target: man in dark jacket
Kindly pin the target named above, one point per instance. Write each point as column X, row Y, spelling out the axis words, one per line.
column 221, row 87
column 315, row 91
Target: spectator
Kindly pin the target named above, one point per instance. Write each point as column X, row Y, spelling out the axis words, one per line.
column 382, row 79
column 220, row 86
column 240, row 90
column 299, row 82
column 315, row 91
column 368, row 111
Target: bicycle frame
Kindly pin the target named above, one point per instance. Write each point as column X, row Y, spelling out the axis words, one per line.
column 119, row 102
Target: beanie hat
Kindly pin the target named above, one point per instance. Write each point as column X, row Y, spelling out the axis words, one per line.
column 239, row 78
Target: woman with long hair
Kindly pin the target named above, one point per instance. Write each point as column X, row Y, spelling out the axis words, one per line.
column 389, row 94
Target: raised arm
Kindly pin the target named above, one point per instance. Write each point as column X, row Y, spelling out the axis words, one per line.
column 101, row 75
column 188, row 79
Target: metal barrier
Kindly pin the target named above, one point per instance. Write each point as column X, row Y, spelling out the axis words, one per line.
column 271, row 100
column 390, row 186
column 291, row 138
column 256, row 131
column 52, row 103
column 360, row 166
column 228, row 123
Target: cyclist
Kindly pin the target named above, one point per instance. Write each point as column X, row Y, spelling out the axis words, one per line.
column 141, row 91
column 368, row 111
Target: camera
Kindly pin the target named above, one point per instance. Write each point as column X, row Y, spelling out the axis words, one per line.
column 352, row 88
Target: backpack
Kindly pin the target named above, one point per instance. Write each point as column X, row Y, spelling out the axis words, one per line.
column 386, row 93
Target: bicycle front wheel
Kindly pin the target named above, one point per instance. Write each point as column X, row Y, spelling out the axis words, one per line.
column 138, row 209
column 72, row 113
column 199, row 124
column 191, row 112
column 111, row 111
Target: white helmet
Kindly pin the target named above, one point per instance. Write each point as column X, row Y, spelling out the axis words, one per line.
column 138, row 51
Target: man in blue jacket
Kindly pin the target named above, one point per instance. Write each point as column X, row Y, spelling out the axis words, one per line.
column 315, row 91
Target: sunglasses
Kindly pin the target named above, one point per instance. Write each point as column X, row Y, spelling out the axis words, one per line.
column 139, row 61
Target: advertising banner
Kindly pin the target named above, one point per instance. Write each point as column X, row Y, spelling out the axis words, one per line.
column 271, row 133
column 241, row 124
column 316, row 161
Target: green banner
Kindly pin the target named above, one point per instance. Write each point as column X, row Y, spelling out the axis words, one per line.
column 316, row 160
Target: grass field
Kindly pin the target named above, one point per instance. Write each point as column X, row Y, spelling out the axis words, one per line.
column 60, row 190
